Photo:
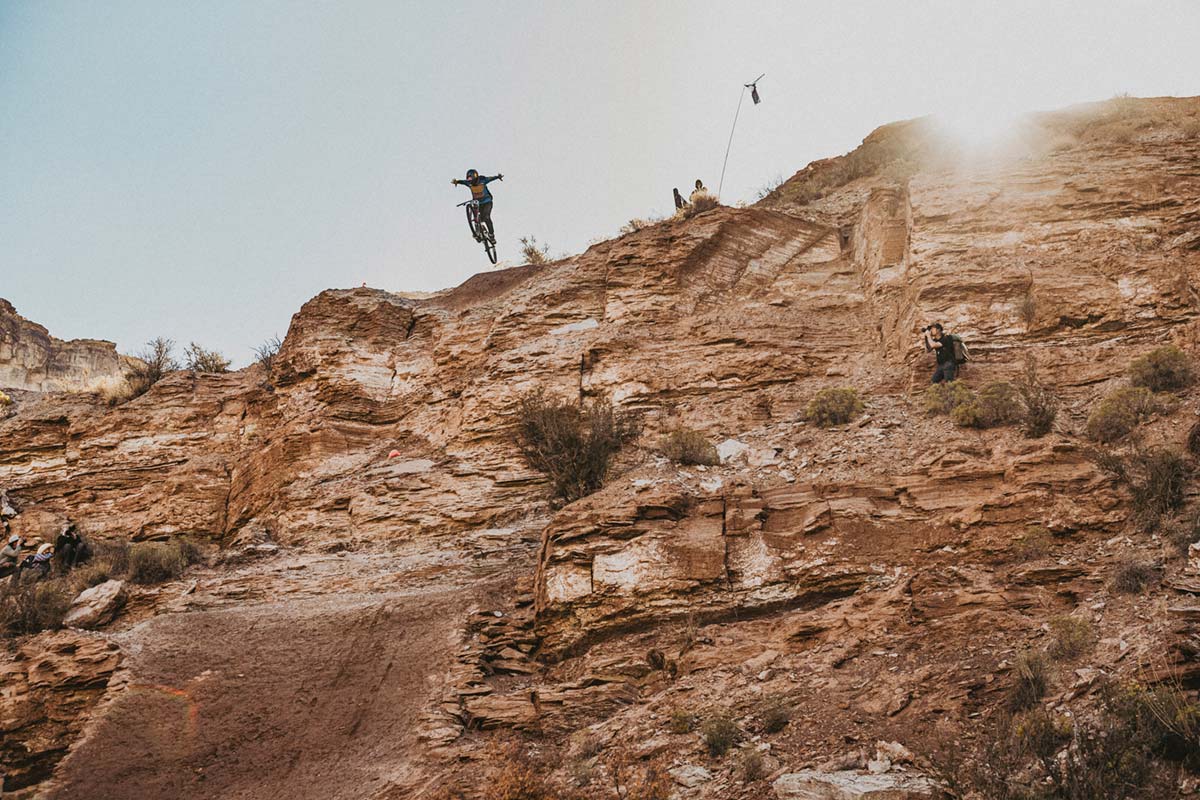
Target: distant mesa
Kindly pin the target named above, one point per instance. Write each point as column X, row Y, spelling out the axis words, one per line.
column 33, row 360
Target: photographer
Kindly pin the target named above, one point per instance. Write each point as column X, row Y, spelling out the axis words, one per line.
column 948, row 349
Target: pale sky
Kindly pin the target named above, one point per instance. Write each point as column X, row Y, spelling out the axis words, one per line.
column 198, row 170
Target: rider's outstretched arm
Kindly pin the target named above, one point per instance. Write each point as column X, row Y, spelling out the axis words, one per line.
column 497, row 176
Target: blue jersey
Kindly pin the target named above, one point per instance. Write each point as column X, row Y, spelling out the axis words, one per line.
column 479, row 190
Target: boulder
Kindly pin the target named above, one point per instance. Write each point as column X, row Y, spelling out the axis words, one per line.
column 690, row 776
column 813, row 785
column 96, row 606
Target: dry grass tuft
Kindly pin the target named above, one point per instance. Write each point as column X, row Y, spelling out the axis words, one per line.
column 686, row 446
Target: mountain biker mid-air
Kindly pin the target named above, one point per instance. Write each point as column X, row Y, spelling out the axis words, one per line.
column 480, row 193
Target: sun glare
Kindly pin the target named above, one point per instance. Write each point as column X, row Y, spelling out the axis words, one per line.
column 979, row 126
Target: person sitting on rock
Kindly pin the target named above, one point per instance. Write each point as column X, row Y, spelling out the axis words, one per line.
column 948, row 349
column 679, row 203
column 10, row 554
column 38, row 564
column 70, row 548
column 700, row 189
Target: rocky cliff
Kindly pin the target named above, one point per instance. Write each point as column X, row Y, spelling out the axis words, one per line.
column 390, row 615
column 33, row 360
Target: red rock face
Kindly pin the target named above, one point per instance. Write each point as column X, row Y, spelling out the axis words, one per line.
column 870, row 572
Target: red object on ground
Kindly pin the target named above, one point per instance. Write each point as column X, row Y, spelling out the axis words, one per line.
column 393, row 454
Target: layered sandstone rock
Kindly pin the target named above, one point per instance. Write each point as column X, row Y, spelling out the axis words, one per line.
column 870, row 573
column 33, row 360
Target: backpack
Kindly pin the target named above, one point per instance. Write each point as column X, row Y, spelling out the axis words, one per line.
column 961, row 354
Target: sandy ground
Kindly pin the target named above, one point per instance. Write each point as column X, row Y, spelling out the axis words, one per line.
column 302, row 677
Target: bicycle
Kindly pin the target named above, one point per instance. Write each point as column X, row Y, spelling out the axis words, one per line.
column 479, row 231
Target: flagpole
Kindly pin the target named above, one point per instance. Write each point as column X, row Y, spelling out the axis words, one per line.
column 721, row 185
column 741, row 97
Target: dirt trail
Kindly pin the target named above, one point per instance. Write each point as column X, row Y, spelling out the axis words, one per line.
column 303, row 677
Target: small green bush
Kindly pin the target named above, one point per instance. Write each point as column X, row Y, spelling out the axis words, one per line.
column 997, row 403
column 943, row 398
column 1070, row 637
column 685, row 446
column 155, row 562
column 572, row 444
column 35, row 605
column 720, row 734
column 1030, row 680
column 1120, row 412
column 834, row 406
column 1161, row 369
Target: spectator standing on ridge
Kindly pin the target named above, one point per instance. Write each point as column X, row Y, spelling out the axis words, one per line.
column 700, row 189
column 679, row 203
column 949, row 349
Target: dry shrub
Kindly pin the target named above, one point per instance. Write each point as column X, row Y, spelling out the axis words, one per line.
column 516, row 776
column 1161, row 369
column 943, row 398
column 720, row 733
column 93, row 573
column 1134, row 577
column 1037, row 542
column 1120, row 412
column 1156, row 478
column 154, row 362
column 1030, row 680
column 114, row 553
column 532, row 252
column 200, row 360
column 681, row 722
column 572, row 444
column 1027, row 308
column 997, row 403
column 754, row 767
column 698, row 204
column 155, row 562
column 1070, row 637
column 628, row 780
column 264, row 354
column 776, row 717
column 1179, row 534
column 35, row 605
column 685, row 446
column 637, row 223
column 834, row 406
column 1039, row 403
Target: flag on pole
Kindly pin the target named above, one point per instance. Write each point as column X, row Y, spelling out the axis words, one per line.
column 754, row 94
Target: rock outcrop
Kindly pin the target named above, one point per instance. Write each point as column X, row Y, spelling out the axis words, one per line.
column 878, row 577
column 33, row 360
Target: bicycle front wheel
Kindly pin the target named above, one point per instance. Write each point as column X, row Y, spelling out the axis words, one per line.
column 489, row 245
column 473, row 220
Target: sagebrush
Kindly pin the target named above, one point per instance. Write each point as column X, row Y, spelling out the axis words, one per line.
column 686, row 446
column 1162, row 369
column 834, row 406
column 573, row 444
column 1120, row 412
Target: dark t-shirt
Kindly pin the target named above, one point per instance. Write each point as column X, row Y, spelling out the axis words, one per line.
column 945, row 353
